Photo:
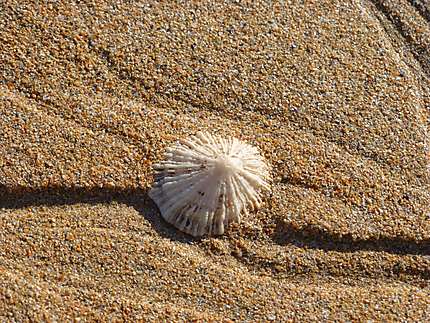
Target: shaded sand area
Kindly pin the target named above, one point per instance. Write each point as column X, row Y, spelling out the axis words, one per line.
column 336, row 96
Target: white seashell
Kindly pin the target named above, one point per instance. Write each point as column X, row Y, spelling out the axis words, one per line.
column 206, row 182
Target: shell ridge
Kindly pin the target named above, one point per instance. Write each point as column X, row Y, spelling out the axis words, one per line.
column 240, row 196
column 171, row 183
column 186, row 152
column 233, row 200
column 182, row 198
column 250, row 193
column 195, row 145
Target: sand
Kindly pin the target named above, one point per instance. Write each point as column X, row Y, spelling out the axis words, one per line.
column 336, row 96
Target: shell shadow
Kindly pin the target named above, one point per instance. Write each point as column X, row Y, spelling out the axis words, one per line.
column 22, row 197
column 313, row 237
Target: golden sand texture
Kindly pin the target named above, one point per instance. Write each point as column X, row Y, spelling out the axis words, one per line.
column 334, row 93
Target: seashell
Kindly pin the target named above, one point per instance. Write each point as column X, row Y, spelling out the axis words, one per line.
column 207, row 182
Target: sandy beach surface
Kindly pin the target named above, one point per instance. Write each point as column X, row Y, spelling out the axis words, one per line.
column 334, row 93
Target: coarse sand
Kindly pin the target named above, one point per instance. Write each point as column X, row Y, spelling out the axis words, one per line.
column 334, row 93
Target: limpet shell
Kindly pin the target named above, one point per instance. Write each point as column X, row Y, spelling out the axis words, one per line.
column 206, row 182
